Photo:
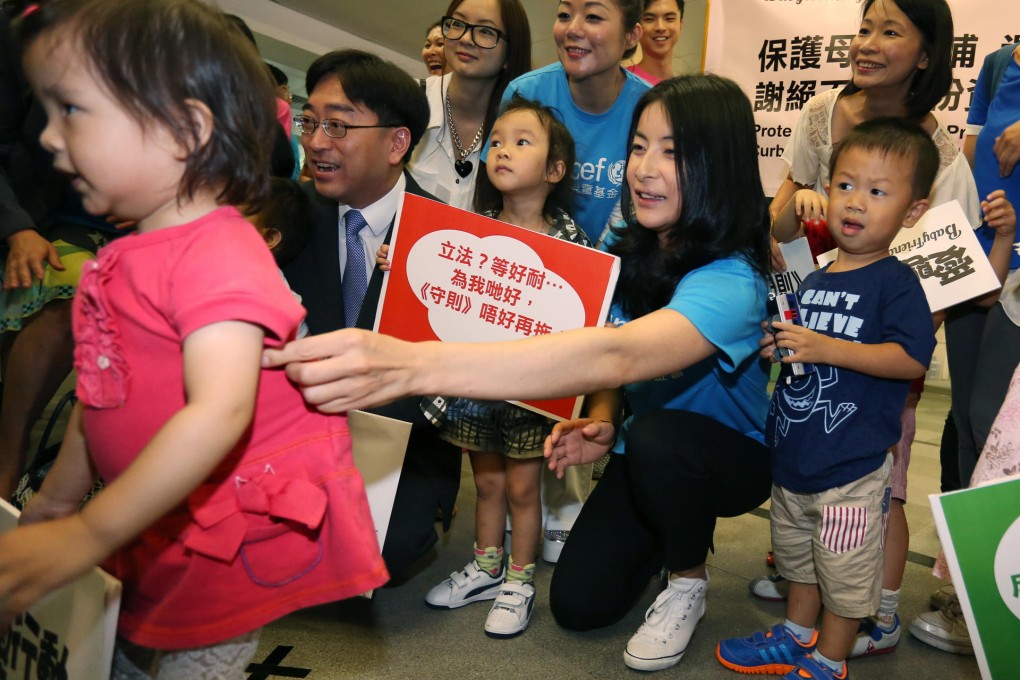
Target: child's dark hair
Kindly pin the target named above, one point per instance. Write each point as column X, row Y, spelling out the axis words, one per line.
column 384, row 88
column 723, row 211
column 934, row 20
column 286, row 210
column 561, row 148
column 900, row 137
column 154, row 56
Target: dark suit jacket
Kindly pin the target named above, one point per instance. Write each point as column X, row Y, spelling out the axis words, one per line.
column 315, row 272
column 430, row 477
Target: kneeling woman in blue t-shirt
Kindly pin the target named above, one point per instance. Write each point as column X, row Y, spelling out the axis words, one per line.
column 687, row 315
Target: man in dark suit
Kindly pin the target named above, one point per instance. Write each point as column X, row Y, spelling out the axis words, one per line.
column 361, row 122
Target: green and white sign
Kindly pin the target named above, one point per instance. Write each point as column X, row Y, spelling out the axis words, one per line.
column 980, row 533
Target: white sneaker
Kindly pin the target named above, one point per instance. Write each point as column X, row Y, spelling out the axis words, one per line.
column 511, row 612
column 662, row 639
column 873, row 640
column 945, row 629
column 552, row 544
column 471, row 584
column 773, row 588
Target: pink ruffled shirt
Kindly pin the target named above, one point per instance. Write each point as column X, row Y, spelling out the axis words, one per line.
column 283, row 522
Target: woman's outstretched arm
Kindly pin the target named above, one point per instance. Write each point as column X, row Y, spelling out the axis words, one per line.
column 351, row 369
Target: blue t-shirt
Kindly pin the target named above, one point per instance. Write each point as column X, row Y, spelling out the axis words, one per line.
column 835, row 425
column 995, row 116
column 600, row 141
column 725, row 300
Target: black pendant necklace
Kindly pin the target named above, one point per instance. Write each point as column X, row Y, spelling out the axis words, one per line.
column 462, row 165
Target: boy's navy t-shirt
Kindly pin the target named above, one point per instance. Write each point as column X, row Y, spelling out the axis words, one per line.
column 835, row 425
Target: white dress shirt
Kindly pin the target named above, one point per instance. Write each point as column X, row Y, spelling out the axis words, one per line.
column 379, row 215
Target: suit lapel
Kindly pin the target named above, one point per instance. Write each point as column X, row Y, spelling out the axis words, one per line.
column 366, row 319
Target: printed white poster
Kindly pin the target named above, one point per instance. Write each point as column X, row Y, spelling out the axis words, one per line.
column 944, row 252
column 783, row 52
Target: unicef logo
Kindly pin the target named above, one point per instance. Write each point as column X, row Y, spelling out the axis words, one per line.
column 615, row 172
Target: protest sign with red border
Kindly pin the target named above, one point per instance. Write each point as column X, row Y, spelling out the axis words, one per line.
column 460, row 277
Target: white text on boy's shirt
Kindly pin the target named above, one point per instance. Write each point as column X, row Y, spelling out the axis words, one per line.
column 830, row 321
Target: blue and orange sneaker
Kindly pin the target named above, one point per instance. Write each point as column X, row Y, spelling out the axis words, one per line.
column 810, row 668
column 774, row 652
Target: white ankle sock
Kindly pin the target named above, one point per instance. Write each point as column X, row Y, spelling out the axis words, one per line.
column 887, row 608
column 836, row 666
column 800, row 632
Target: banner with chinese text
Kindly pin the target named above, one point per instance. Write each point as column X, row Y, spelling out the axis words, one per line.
column 67, row 634
column 783, row 52
column 980, row 533
column 459, row 277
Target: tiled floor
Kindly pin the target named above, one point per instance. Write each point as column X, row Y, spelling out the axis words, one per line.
column 396, row 636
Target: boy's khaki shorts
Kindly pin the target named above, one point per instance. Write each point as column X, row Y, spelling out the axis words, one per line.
column 835, row 538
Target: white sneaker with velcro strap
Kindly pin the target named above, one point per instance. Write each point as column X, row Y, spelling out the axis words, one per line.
column 511, row 612
column 471, row 584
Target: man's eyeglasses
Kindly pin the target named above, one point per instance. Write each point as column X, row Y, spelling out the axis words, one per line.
column 333, row 127
column 485, row 37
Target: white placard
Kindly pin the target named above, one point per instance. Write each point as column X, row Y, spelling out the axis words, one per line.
column 379, row 445
column 73, row 628
column 944, row 252
column 797, row 255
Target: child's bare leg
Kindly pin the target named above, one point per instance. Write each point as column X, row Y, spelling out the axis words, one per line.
column 897, row 537
column 804, row 603
column 511, row 612
column 897, row 543
column 482, row 577
column 523, row 479
column 837, row 636
column 490, row 512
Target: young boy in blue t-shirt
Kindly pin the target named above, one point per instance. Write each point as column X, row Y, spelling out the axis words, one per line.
column 867, row 331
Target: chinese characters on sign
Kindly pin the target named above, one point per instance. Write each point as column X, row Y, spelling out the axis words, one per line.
column 68, row 634
column 501, row 283
column 459, row 277
column 810, row 52
column 947, row 265
column 30, row 651
column 784, row 53
column 484, row 288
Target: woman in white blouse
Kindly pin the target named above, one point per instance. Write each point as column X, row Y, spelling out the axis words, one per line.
column 488, row 44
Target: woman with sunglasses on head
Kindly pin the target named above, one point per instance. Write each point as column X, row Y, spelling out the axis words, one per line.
column 488, row 44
